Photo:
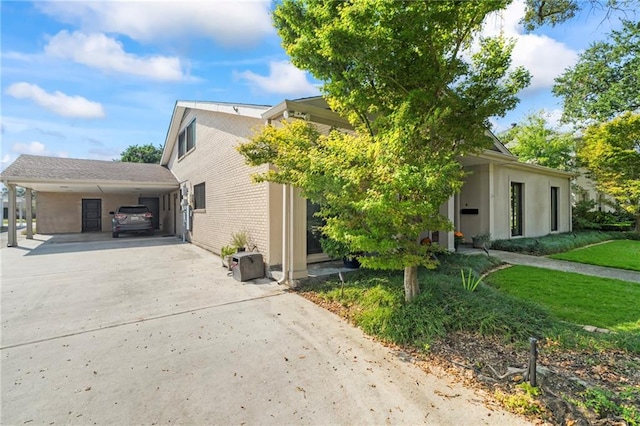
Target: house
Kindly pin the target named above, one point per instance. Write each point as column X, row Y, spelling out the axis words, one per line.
column 210, row 194
column 76, row 195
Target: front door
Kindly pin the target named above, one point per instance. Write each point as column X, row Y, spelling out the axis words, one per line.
column 154, row 205
column 91, row 215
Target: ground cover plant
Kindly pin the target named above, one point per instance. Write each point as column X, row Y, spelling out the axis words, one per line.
column 558, row 243
column 622, row 254
column 482, row 336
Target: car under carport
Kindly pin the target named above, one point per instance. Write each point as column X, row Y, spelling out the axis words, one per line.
column 76, row 195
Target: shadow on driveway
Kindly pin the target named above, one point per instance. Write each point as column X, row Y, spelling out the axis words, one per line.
column 83, row 242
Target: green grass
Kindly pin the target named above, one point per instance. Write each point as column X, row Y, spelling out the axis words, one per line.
column 622, row 254
column 579, row 299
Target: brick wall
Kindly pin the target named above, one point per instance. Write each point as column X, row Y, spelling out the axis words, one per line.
column 233, row 202
column 62, row 212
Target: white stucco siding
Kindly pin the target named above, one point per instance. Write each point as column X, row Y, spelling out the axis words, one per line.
column 536, row 202
column 475, row 195
column 233, row 202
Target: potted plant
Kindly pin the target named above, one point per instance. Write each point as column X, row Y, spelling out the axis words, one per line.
column 481, row 240
column 338, row 250
column 226, row 253
column 458, row 238
column 239, row 240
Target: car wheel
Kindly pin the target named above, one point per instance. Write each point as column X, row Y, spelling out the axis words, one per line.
column 114, row 234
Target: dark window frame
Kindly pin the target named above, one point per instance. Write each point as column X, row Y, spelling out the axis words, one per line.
column 187, row 139
column 199, row 196
column 555, row 191
column 516, row 213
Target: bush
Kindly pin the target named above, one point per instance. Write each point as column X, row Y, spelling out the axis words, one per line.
column 558, row 243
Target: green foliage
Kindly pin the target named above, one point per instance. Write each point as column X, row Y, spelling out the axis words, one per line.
column 142, row 154
column 334, row 249
column 227, row 251
column 611, row 153
column 554, row 12
column 470, row 281
column 376, row 302
column 604, row 83
column 607, row 404
column 534, row 141
column 240, row 239
column 621, row 254
column 417, row 98
column 557, row 243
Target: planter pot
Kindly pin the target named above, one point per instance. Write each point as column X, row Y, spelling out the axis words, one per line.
column 351, row 263
column 240, row 249
column 226, row 261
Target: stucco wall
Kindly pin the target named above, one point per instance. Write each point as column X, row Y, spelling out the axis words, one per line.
column 536, row 200
column 62, row 212
column 475, row 195
column 233, row 202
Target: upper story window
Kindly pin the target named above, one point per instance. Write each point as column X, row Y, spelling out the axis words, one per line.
column 187, row 139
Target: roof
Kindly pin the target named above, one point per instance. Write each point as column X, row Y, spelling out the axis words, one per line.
column 60, row 174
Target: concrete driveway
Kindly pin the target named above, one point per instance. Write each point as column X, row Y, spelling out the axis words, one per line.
column 153, row 331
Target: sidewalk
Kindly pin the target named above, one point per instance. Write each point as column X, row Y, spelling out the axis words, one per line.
column 563, row 265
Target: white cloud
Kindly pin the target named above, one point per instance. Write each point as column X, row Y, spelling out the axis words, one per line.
column 31, row 148
column 283, row 78
column 107, row 54
column 228, row 22
column 57, row 102
column 543, row 56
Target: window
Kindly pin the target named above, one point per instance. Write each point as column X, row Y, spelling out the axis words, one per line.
column 516, row 208
column 187, row 139
column 554, row 208
column 199, row 199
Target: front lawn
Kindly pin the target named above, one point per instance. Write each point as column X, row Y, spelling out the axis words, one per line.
column 579, row 299
column 622, row 254
column 487, row 331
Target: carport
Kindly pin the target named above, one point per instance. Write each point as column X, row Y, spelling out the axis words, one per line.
column 75, row 195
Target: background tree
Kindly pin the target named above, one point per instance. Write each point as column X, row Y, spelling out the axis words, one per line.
column 611, row 153
column 142, row 154
column 535, row 141
column 606, row 79
column 553, row 12
column 401, row 73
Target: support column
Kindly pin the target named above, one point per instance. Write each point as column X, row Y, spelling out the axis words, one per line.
column 298, row 225
column 491, row 202
column 29, row 212
column 12, row 240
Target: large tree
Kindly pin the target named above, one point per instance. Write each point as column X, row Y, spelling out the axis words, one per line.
column 142, row 154
column 611, row 153
column 605, row 81
column 535, row 141
column 403, row 75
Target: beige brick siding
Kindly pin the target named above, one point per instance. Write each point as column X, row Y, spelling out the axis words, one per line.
column 62, row 212
column 233, row 202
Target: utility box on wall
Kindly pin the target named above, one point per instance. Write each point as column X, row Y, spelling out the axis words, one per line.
column 247, row 266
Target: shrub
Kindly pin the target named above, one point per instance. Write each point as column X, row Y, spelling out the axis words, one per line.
column 557, row 243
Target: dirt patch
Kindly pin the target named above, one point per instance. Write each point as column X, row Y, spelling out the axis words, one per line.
column 497, row 369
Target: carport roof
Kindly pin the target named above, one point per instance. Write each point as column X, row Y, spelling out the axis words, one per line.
column 54, row 174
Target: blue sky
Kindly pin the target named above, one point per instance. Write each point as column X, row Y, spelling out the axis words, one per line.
column 88, row 79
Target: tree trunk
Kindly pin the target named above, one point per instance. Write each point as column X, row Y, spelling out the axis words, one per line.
column 638, row 223
column 411, row 288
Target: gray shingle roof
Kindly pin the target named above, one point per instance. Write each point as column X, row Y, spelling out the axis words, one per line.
column 73, row 169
